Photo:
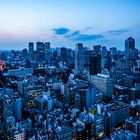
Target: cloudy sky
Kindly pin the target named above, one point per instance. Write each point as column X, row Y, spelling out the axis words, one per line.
column 66, row 22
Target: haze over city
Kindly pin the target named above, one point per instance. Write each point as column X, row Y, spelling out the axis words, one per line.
column 64, row 23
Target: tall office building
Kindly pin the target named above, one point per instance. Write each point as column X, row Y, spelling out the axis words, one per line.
column 40, row 46
column 7, row 107
column 18, row 108
column 24, row 53
column 130, row 52
column 104, row 83
column 103, row 57
column 99, row 125
column 31, row 47
column 47, row 52
column 79, row 57
column 70, row 57
column 104, row 52
column 97, row 49
column 40, row 51
column 95, row 64
column 113, row 51
column 63, row 55
column 84, row 98
column 117, row 112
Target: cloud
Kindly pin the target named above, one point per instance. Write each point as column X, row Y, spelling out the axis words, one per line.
column 117, row 32
column 76, row 35
column 86, row 37
column 61, row 31
column 88, row 28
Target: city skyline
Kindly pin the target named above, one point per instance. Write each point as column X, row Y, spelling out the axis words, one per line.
column 64, row 23
column 69, row 70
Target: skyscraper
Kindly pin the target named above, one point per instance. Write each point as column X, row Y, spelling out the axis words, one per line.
column 47, row 52
column 85, row 97
column 79, row 57
column 130, row 52
column 97, row 49
column 31, row 47
column 104, row 83
column 40, row 48
column 63, row 55
column 18, row 108
column 95, row 64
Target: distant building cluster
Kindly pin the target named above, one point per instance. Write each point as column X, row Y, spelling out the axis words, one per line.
column 51, row 93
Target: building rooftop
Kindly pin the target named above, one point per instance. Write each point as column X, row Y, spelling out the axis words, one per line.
column 117, row 105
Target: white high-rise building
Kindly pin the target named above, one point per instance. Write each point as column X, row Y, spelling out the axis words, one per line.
column 104, row 83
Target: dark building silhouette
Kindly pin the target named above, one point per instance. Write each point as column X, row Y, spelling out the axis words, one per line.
column 63, row 55
column 31, row 47
column 130, row 52
column 95, row 64
column 47, row 52
column 97, row 49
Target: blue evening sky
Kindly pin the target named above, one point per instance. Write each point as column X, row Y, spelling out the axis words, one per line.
column 66, row 22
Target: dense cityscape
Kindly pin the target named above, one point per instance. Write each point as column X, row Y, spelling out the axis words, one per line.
column 49, row 93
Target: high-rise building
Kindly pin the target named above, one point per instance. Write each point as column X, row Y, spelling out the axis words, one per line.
column 129, row 47
column 79, row 57
column 97, row 49
column 40, row 51
column 103, row 57
column 108, row 62
column 117, row 112
column 104, row 52
column 88, row 53
column 24, row 53
column 113, row 51
column 70, row 57
column 84, row 98
column 47, row 52
column 99, row 125
column 130, row 52
column 104, row 83
column 31, row 47
column 95, row 64
column 40, row 46
column 63, row 55
column 18, row 108
column 7, row 107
